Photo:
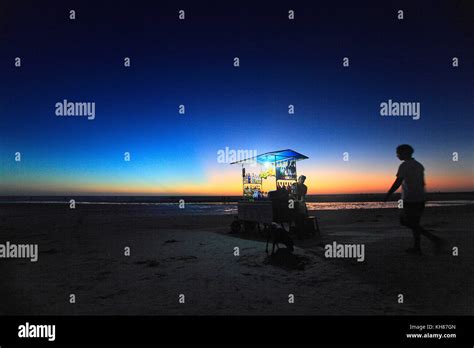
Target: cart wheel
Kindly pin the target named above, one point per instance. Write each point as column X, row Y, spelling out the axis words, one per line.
column 249, row 226
column 235, row 226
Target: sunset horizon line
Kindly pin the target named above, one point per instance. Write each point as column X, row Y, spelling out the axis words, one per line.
column 140, row 194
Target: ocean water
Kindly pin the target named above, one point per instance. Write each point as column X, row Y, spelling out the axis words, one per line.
column 230, row 208
column 378, row 205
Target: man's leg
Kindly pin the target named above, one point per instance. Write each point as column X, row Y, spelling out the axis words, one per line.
column 417, row 211
column 410, row 217
column 429, row 235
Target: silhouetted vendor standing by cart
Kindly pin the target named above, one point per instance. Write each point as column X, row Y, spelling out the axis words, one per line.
column 301, row 189
column 301, row 209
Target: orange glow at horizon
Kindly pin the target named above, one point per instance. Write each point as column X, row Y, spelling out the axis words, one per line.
column 225, row 180
column 229, row 184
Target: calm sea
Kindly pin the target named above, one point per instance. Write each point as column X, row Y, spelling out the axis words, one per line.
column 220, row 208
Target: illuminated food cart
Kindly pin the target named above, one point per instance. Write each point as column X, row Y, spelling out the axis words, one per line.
column 262, row 176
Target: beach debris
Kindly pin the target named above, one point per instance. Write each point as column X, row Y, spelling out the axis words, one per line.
column 279, row 235
column 170, row 241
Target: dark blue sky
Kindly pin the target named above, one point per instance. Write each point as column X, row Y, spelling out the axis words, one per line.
column 190, row 62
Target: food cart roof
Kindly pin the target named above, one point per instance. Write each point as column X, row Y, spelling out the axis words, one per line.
column 275, row 156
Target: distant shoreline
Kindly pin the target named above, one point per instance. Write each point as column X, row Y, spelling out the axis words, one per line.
column 323, row 198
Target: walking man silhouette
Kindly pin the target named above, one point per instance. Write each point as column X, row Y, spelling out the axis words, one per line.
column 410, row 176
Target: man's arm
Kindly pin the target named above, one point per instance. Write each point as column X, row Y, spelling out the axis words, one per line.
column 396, row 184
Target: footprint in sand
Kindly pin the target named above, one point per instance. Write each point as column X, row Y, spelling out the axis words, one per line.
column 182, row 258
column 120, row 292
column 102, row 275
column 149, row 263
column 50, row 251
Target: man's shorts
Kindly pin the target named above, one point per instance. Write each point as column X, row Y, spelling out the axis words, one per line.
column 411, row 213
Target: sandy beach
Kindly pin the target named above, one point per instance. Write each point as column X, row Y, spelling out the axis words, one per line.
column 81, row 252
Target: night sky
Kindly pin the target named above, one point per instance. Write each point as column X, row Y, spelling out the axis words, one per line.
column 190, row 62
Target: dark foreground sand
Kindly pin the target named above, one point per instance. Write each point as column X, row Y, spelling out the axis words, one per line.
column 82, row 252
